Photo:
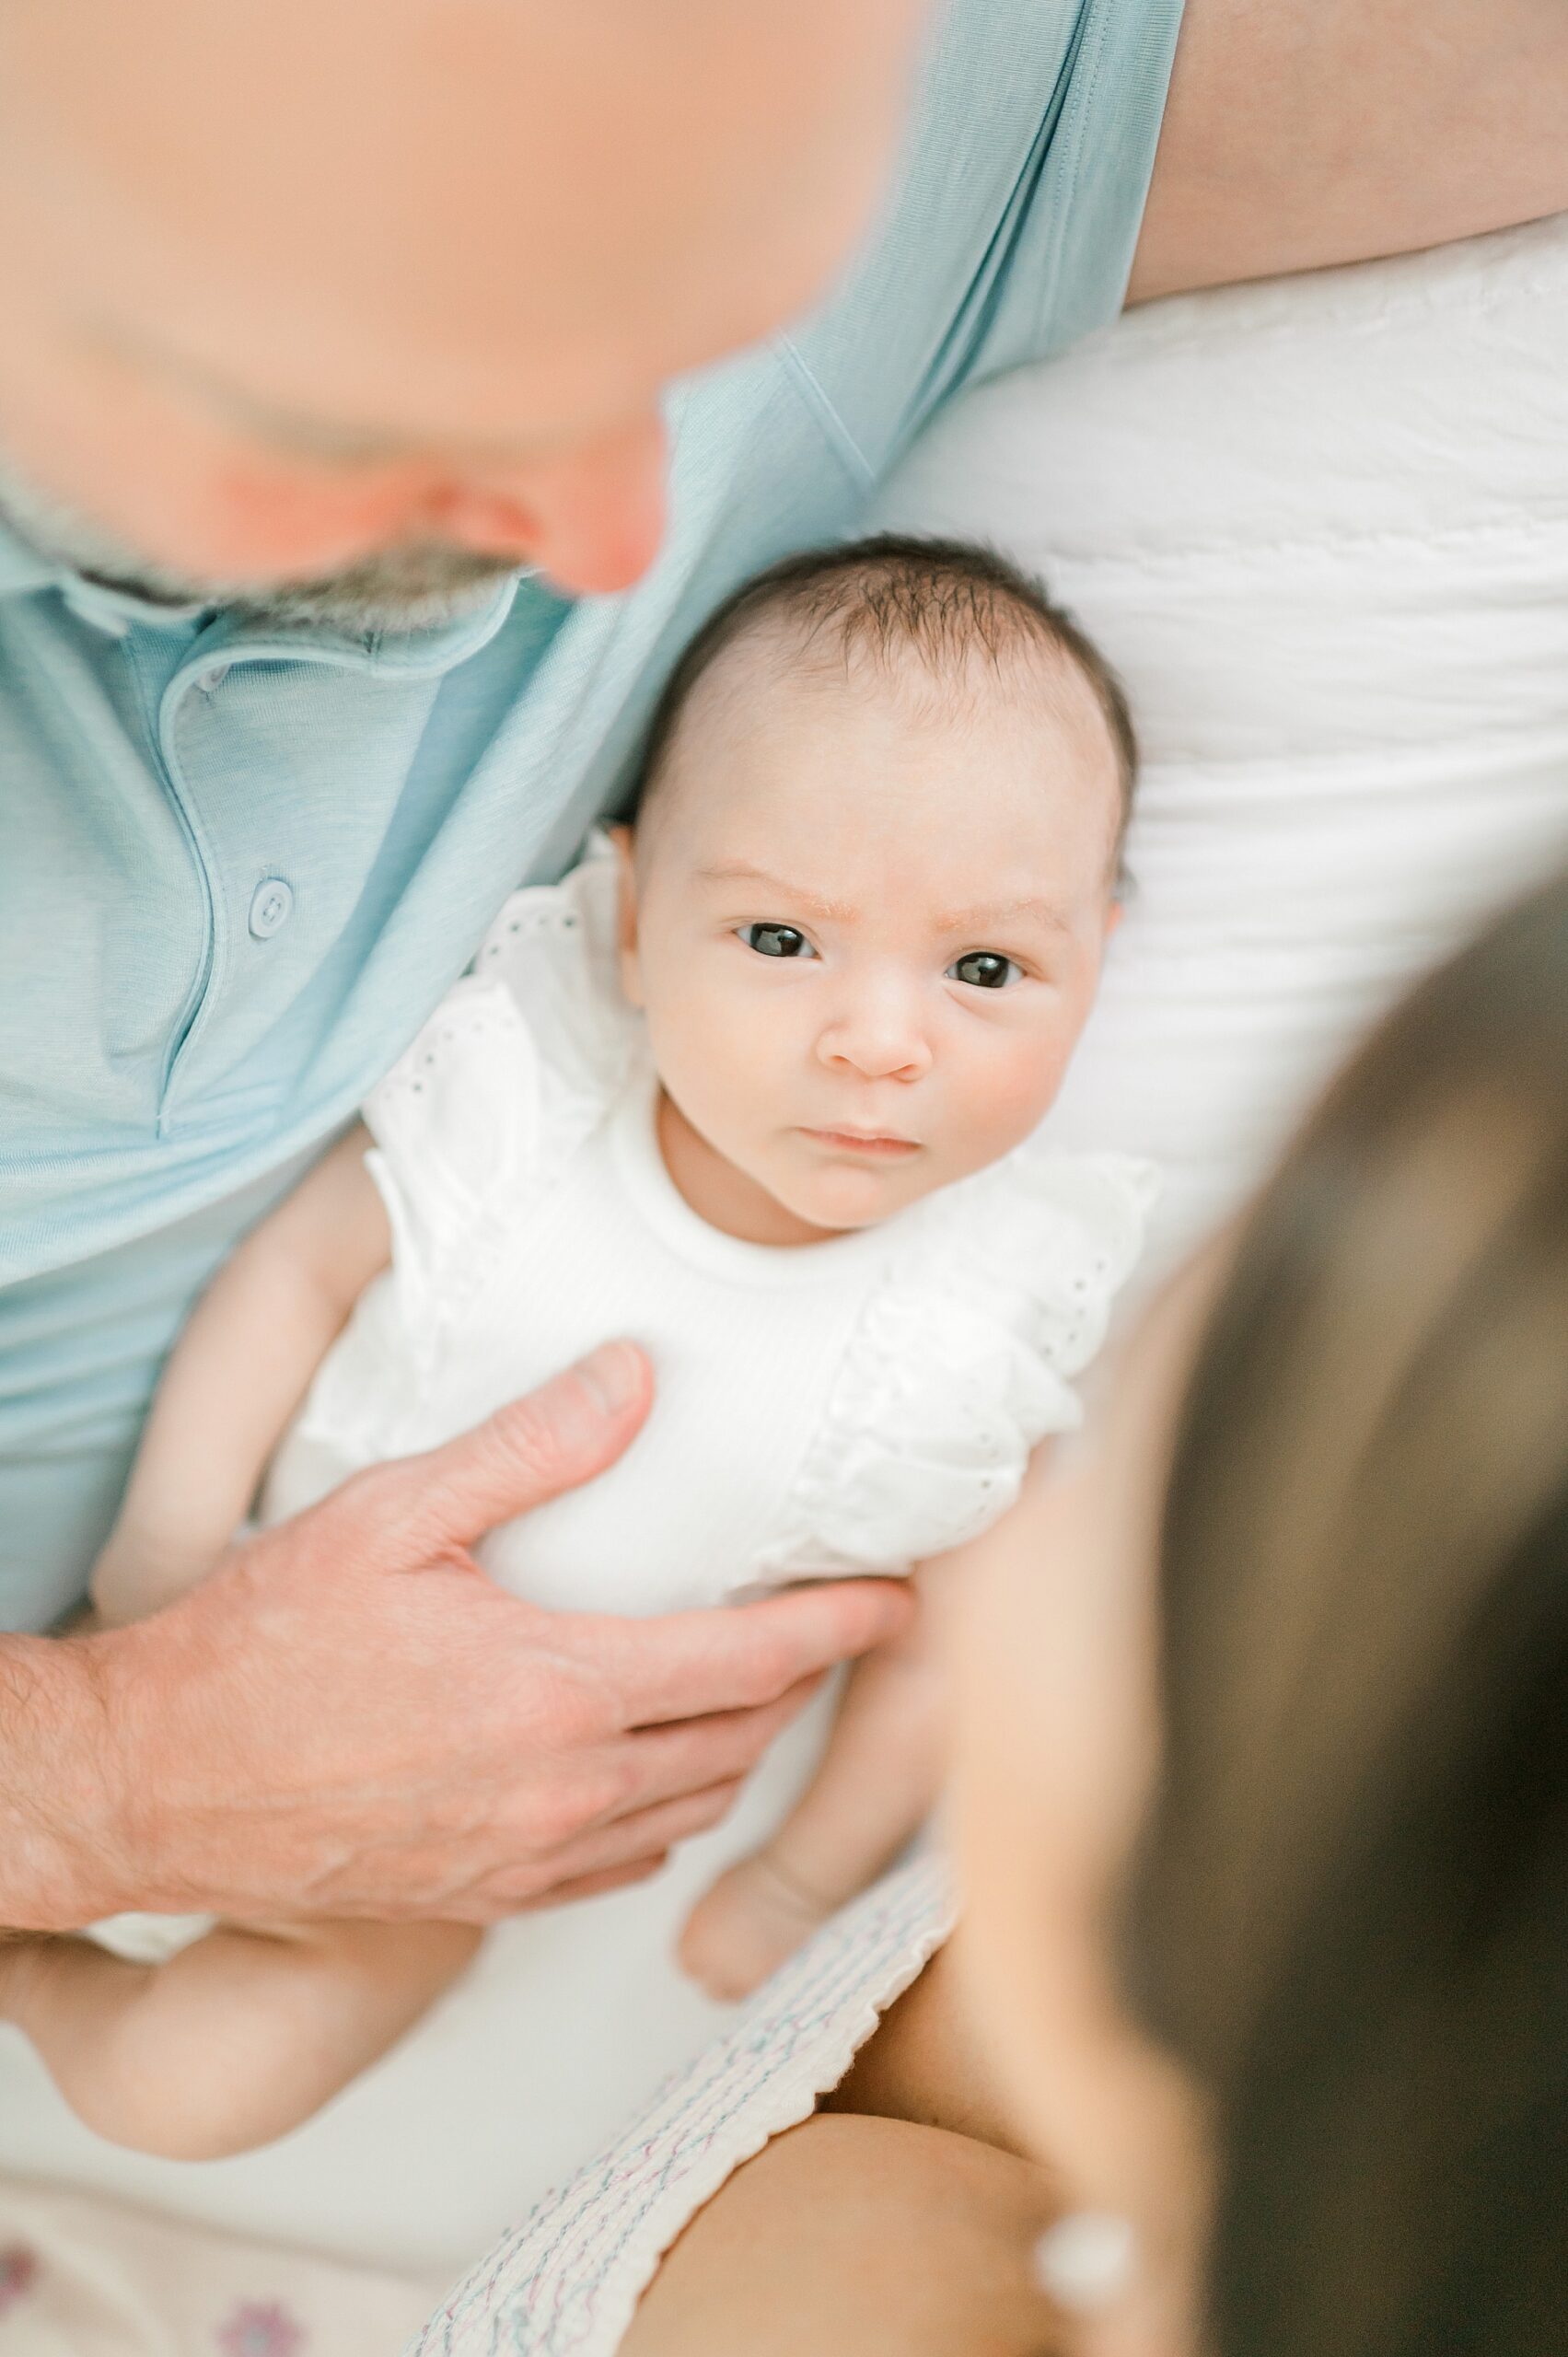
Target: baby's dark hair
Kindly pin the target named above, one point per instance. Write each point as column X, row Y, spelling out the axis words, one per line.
column 942, row 601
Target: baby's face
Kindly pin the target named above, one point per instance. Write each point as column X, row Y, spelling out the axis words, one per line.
column 866, row 921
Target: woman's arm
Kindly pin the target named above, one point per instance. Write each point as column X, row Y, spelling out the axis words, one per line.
column 898, row 2222
column 860, row 2237
column 923, row 2064
column 237, row 1375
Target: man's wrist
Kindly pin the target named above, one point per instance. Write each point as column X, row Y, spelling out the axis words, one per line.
column 63, row 1846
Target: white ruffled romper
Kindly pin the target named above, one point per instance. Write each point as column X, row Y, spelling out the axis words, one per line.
column 851, row 1406
column 855, row 1405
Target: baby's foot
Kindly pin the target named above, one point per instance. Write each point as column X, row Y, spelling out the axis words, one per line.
column 753, row 1918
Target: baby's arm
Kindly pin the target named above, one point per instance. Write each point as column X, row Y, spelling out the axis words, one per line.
column 234, row 2040
column 237, row 1375
column 879, row 1780
column 244, row 2034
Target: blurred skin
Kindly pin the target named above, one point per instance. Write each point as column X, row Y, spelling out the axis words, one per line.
column 263, row 323
column 1057, row 1749
column 884, row 830
column 266, row 325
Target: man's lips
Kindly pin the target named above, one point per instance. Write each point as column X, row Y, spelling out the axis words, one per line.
column 874, row 1144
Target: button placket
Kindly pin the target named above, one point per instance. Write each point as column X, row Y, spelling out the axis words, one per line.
column 202, row 853
column 272, row 905
column 289, row 860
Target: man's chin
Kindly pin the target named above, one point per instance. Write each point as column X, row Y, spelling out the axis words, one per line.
column 390, row 594
column 425, row 586
column 412, row 591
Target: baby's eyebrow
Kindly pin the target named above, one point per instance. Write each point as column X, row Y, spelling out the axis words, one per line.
column 740, row 871
column 1027, row 904
column 949, row 920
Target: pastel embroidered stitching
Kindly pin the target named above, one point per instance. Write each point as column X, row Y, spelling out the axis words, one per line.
column 566, row 2281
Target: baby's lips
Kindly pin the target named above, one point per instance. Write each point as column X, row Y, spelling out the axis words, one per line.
column 888, row 1142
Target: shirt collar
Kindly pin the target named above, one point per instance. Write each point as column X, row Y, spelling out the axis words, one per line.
column 22, row 567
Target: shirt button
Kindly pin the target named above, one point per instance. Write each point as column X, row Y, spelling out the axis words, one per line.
column 272, row 905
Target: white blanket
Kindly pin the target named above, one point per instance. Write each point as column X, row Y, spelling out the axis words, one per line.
column 1322, row 527
column 80, row 2277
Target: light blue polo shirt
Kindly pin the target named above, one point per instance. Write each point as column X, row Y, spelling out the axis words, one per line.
column 238, row 864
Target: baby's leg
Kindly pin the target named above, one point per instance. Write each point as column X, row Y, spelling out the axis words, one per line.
column 236, row 2039
column 877, row 1785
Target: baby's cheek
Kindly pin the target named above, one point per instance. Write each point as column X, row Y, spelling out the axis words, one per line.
column 1009, row 1092
column 717, row 1050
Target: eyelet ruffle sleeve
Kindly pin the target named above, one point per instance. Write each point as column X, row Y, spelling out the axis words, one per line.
column 999, row 1293
column 518, row 1064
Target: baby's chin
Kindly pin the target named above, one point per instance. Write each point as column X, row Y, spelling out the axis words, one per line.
column 842, row 1198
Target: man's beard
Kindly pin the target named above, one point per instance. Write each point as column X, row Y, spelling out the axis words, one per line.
column 421, row 585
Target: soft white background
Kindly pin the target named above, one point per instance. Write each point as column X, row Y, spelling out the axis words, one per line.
column 1321, row 525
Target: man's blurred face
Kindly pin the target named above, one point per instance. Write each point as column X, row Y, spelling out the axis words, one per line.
column 350, row 307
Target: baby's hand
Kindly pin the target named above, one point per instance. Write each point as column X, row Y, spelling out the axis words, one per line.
column 876, row 1786
column 753, row 1918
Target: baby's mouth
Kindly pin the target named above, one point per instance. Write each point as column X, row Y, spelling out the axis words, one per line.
column 876, row 1145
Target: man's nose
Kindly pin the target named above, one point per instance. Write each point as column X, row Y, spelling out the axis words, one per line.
column 879, row 1036
column 590, row 517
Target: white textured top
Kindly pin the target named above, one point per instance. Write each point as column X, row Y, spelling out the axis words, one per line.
column 852, row 1405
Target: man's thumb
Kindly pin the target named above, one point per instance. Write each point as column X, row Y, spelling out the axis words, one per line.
column 528, row 1453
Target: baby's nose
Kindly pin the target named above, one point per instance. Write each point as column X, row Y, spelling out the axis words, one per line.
column 880, row 1039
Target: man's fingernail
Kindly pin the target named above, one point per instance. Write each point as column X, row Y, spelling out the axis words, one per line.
column 614, row 1374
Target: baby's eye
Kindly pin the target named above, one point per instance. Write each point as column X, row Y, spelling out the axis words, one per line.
column 985, row 970
column 776, row 941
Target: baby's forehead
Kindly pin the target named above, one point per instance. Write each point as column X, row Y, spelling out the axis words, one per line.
column 861, row 770
column 779, row 679
column 918, row 638
column 781, row 717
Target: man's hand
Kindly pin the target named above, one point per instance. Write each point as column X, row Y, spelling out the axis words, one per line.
column 347, row 1718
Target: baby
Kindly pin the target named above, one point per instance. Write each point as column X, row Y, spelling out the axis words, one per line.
column 757, row 1085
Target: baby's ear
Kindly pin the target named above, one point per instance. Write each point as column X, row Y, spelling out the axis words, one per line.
column 626, row 918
